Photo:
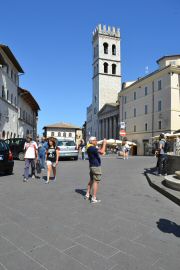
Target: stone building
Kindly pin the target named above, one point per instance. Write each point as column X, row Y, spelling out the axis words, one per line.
column 27, row 113
column 62, row 131
column 151, row 105
column 106, row 77
column 11, row 98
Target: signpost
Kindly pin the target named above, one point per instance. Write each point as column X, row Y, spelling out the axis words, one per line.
column 122, row 125
column 122, row 132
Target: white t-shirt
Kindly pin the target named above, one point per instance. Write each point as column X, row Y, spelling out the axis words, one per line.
column 30, row 149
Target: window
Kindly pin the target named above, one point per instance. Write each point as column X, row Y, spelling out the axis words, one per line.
column 59, row 134
column 113, row 49
column 159, row 125
column 159, row 106
column 24, row 115
column 146, row 91
column 15, row 101
column 64, row 134
column 146, row 127
column 146, row 109
column 125, row 100
column 105, row 48
column 159, row 85
column 134, row 128
column 7, row 94
column 134, row 95
column 20, row 113
column 11, row 98
column 125, row 115
column 3, row 92
column 52, row 133
column 70, row 134
column 105, row 67
column 113, row 69
column 7, row 69
column 134, row 112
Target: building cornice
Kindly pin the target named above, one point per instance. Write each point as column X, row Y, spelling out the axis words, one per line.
column 105, row 59
column 106, row 74
column 140, row 81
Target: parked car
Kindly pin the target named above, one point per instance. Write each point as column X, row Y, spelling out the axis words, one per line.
column 6, row 158
column 68, row 148
column 17, row 147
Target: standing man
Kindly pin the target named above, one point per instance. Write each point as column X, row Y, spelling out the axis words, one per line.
column 95, row 167
column 162, row 160
column 42, row 147
column 31, row 154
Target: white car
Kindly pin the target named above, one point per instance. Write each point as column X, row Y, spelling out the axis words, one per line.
column 67, row 148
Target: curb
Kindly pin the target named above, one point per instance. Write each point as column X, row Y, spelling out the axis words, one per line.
column 167, row 192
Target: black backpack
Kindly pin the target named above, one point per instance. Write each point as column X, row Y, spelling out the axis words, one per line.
column 166, row 147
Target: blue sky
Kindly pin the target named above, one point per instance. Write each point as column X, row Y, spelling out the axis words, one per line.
column 52, row 42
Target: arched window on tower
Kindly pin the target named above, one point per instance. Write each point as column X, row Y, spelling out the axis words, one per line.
column 105, row 67
column 113, row 49
column 113, row 69
column 105, row 48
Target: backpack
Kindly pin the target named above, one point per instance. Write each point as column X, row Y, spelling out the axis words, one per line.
column 166, row 147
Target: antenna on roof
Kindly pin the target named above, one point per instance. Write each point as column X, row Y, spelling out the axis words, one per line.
column 146, row 70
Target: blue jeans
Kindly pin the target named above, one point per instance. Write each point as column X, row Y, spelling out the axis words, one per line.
column 28, row 162
column 162, row 162
column 42, row 158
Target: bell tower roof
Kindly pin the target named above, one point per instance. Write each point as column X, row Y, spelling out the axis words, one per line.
column 106, row 31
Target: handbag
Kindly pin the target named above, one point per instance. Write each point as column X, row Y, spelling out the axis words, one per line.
column 38, row 167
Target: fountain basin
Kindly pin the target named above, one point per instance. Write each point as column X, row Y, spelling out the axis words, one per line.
column 172, row 181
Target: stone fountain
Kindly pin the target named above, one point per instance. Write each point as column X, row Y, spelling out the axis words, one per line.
column 173, row 180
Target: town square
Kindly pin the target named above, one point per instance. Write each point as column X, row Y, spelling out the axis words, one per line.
column 89, row 135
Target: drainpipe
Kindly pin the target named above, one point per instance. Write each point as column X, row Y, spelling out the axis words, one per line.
column 153, row 109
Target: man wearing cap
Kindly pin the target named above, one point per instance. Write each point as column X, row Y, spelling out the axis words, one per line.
column 95, row 167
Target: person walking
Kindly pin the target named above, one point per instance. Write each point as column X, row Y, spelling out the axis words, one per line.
column 52, row 158
column 30, row 157
column 94, row 167
column 162, row 158
column 125, row 149
column 42, row 147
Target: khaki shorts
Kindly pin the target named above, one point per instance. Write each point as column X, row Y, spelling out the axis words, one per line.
column 95, row 173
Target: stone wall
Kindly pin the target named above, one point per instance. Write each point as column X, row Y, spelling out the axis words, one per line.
column 173, row 164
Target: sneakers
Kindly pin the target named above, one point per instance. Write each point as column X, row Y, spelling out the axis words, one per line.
column 95, row 200
column 33, row 176
column 86, row 197
column 47, row 182
column 25, row 180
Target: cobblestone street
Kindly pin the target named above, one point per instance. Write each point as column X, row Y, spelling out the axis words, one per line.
column 52, row 227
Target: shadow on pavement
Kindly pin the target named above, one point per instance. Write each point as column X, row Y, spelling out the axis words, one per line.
column 168, row 226
column 81, row 191
column 150, row 170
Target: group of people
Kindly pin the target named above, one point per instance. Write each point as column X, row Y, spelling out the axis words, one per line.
column 40, row 151
column 46, row 151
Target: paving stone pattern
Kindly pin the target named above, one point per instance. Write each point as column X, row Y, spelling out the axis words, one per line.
column 51, row 226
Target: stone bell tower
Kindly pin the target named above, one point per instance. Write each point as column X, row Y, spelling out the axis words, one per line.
column 106, row 70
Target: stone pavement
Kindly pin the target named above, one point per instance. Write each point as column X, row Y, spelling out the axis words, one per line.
column 51, row 226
